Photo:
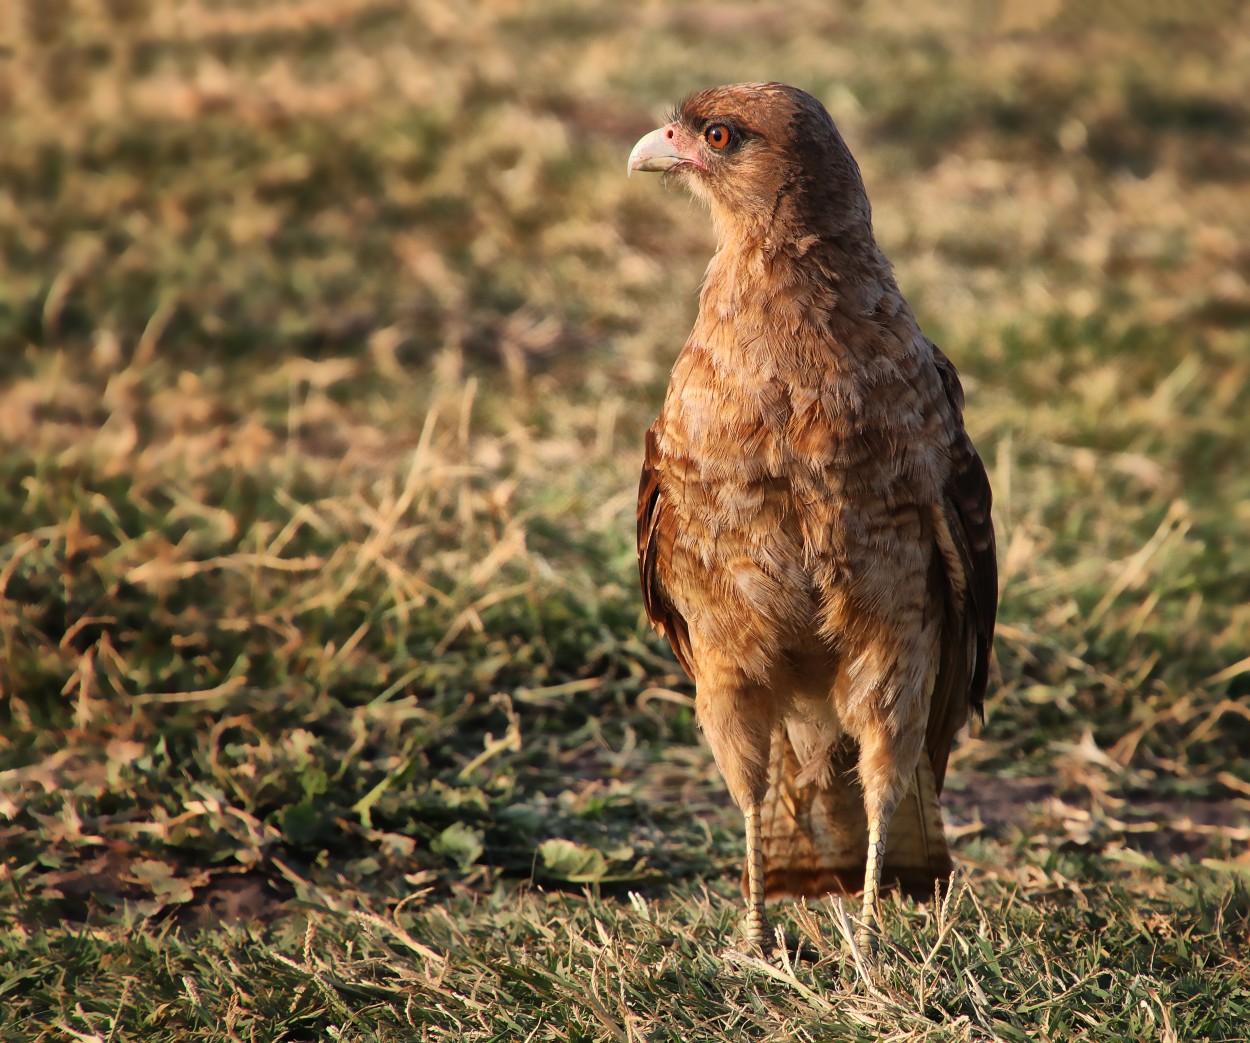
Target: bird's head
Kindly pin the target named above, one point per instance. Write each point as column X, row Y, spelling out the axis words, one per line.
column 766, row 158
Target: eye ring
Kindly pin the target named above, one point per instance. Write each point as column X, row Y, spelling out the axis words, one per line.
column 718, row 136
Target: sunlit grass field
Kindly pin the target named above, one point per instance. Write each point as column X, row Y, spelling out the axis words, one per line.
column 329, row 330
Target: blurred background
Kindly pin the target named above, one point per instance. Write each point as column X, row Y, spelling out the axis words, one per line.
column 329, row 330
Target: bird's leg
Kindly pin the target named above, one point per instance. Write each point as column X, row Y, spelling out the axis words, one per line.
column 887, row 762
column 737, row 718
column 878, row 827
column 757, row 919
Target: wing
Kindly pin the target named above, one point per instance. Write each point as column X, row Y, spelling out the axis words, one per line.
column 969, row 586
column 656, row 533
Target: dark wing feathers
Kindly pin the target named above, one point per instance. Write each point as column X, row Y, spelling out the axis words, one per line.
column 964, row 668
column 655, row 542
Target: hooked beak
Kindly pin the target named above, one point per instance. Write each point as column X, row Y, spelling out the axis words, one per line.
column 656, row 151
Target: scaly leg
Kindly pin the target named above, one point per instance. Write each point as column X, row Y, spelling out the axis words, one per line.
column 866, row 937
column 757, row 919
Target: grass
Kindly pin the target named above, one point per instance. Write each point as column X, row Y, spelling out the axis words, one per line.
column 328, row 334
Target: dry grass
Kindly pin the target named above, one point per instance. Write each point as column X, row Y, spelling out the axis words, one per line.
column 328, row 332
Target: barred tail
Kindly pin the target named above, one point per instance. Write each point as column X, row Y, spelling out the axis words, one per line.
column 816, row 839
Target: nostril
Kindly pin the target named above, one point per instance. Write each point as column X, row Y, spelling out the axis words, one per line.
column 669, row 134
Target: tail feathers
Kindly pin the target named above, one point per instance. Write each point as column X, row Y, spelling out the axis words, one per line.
column 815, row 839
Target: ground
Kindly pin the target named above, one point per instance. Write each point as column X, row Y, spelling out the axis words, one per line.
column 329, row 330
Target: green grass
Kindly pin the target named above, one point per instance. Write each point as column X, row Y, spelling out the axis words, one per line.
column 328, row 335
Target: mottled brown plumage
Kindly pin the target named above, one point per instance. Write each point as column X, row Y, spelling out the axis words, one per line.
column 814, row 531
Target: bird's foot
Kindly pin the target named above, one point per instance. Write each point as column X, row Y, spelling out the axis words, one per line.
column 866, row 943
column 758, row 936
column 774, row 947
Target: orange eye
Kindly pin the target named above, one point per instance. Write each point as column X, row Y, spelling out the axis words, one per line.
column 718, row 136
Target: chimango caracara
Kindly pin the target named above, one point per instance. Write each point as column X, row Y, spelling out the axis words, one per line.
column 814, row 529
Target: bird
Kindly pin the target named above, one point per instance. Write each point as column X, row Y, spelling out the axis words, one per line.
column 815, row 537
